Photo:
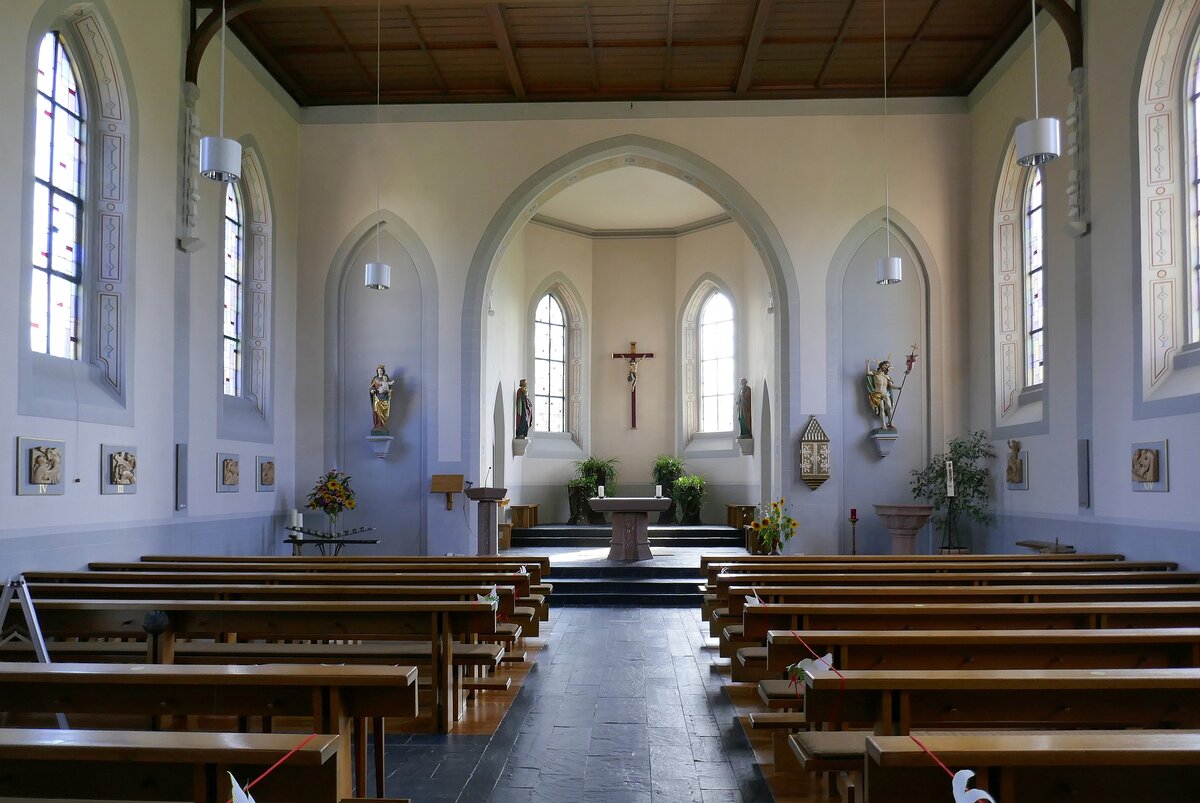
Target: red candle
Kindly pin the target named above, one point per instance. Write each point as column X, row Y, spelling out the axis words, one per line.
column 854, row 513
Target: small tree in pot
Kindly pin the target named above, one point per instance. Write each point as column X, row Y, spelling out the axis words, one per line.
column 579, row 490
column 689, row 493
column 599, row 471
column 666, row 471
column 970, row 457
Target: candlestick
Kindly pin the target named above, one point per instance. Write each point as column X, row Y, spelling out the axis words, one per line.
column 853, row 514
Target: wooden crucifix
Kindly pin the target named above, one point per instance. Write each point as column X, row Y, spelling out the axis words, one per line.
column 634, row 357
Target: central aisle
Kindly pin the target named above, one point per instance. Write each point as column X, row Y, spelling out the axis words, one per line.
column 622, row 704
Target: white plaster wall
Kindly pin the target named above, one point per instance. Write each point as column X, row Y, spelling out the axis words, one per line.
column 63, row 532
column 503, row 364
column 1090, row 396
column 815, row 176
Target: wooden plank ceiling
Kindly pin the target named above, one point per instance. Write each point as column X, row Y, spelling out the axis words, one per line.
column 323, row 53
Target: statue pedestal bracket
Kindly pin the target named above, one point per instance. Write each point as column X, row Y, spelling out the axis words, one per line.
column 380, row 444
column 630, row 524
column 746, row 445
column 519, row 445
column 884, row 440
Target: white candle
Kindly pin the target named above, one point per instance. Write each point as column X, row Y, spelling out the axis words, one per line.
column 657, row 491
column 293, row 518
column 600, row 491
column 949, row 478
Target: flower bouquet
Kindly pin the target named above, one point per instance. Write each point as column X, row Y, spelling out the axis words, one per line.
column 331, row 495
column 774, row 527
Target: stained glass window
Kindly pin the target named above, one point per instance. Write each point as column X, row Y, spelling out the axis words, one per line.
column 716, row 364
column 231, row 322
column 549, row 366
column 58, row 188
column 1035, row 289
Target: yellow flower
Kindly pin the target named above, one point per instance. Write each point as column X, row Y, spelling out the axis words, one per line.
column 755, row 526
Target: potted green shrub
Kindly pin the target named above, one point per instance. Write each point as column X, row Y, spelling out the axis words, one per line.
column 599, row 471
column 666, row 470
column 970, row 457
column 689, row 493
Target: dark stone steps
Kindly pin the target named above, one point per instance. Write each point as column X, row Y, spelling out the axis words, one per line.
column 596, row 536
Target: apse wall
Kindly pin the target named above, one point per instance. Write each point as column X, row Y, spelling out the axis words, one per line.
column 174, row 310
column 815, row 170
column 1093, row 312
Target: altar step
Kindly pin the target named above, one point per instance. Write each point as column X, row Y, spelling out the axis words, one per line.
column 595, row 536
column 641, row 585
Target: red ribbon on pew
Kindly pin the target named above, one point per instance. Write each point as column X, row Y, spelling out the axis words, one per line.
column 274, row 766
column 837, row 704
column 931, row 755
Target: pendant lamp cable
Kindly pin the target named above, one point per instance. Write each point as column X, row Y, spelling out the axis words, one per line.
column 378, row 92
column 1036, row 107
column 221, row 123
column 887, row 205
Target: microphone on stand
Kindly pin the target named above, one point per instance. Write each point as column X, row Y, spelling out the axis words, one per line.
column 488, row 477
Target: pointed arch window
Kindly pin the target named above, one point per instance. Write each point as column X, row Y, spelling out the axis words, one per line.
column 1035, row 283
column 716, row 331
column 549, row 366
column 58, row 204
column 1192, row 138
column 234, row 269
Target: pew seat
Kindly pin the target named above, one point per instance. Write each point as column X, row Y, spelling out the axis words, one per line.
column 47, row 763
column 778, row 694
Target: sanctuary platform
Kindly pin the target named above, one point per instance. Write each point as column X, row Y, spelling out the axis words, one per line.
column 546, row 536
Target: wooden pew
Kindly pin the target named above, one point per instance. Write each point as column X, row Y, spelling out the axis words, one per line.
column 1038, row 768
column 335, row 698
column 39, row 763
column 541, row 561
column 759, row 619
column 519, row 582
column 162, row 620
column 710, row 562
column 321, row 564
column 717, row 596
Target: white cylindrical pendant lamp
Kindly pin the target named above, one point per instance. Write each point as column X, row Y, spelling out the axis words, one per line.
column 1038, row 141
column 889, row 270
column 220, row 158
column 379, row 275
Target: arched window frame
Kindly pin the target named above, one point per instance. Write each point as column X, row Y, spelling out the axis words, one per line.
column 1034, row 264
column 233, row 273
column 248, row 416
column 709, row 375
column 1167, row 366
column 1020, row 403
column 694, row 441
column 574, row 441
column 96, row 386
column 550, row 330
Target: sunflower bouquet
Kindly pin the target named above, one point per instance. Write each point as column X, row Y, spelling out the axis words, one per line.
column 331, row 495
column 774, row 526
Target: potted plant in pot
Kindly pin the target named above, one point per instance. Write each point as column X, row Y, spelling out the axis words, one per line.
column 689, row 493
column 666, row 470
column 599, row 471
column 772, row 529
column 957, row 483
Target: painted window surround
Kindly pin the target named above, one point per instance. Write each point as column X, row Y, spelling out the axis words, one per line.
column 574, row 442
column 249, row 417
column 96, row 387
column 1167, row 377
column 1018, row 408
column 695, row 442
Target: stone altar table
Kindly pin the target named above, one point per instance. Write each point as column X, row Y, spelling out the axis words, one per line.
column 631, row 524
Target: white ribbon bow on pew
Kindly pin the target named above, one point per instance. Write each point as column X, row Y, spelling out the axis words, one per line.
column 964, row 795
column 491, row 596
column 812, row 666
column 239, row 795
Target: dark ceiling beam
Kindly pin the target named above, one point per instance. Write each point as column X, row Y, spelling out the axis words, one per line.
column 248, row 32
column 669, row 62
column 841, row 34
column 591, row 46
column 916, row 37
column 295, row 5
column 1071, row 22
column 346, row 46
column 203, row 32
column 757, row 31
column 437, row 73
column 500, row 31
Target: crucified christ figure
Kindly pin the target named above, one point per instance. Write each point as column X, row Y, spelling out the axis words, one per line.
column 633, row 358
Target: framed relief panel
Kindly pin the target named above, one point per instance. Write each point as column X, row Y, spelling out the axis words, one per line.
column 1148, row 466
column 118, row 469
column 228, row 473
column 264, row 474
column 41, row 467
